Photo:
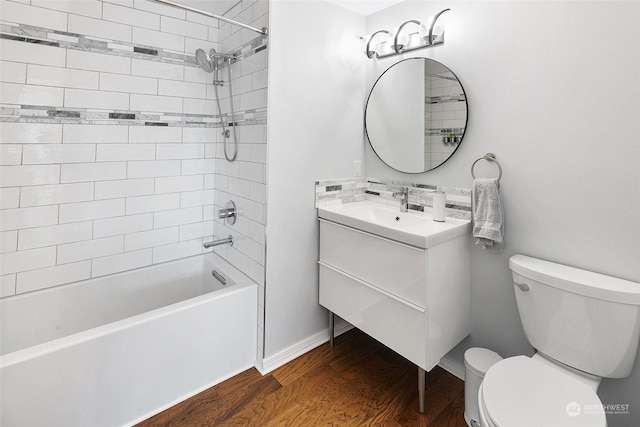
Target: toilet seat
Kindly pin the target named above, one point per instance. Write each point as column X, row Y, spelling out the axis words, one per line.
column 520, row 392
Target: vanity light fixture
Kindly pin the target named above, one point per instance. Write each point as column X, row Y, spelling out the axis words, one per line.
column 401, row 40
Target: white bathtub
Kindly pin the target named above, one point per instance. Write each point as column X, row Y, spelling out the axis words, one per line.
column 115, row 350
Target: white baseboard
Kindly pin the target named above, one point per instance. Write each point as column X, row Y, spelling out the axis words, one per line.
column 271, row 363
column 453, row 367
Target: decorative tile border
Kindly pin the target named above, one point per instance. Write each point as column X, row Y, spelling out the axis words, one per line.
column 72, row 41
column 349, row 190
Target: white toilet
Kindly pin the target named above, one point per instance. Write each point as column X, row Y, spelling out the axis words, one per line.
column 584, row 326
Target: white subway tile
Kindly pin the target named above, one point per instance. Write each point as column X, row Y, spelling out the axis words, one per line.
column 179, row 151
column 35, row 16
column 53, row 276
column 124, row 188
column 122, row 225
column 121, row 262
column 184, row 28
column 101, row 134
column 176, row 184
column 16, row 176
column 257, row 232
column 30, row 133
column 177, row 217
column 177, row 250
column 83, row 211
column 145, row 37
column 38, row 237
column 200, row 19
column 58, row 153
column 200, row 106
column 99, row 28
column 239, row 187
column 154, row 134
column 140, row 67
column 149, row 239
column 182, row 89
column 7, row 285
column 8, row 241
column 258, row 192
column 89, row 8
column 98, row 62
column 144, row 204
column 14, row 262
column 114, row 152
column 80, row 98
column 64, row 77
column 164, row 104
column 258, row 152
column 196, row 166
column 84, row 172
column 199, row 134
column 126, row 15
column 10, row 154
column 191, row 45
column 125, row 3
column 161, row 9
column 196, row 230
column 32, row 53
column 56, row 194
column 153, row 168
column 197, row 75
column 253, row 100
column 129, row 84
column 9, row 197
column 79, row 251
column 13, row 72
column 196, row 198
column 253, row 210
column 252, row 171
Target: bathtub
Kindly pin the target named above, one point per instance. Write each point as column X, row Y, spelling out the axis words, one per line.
column 116, row 350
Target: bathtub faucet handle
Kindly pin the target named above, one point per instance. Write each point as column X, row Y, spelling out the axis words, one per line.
column 228, row 214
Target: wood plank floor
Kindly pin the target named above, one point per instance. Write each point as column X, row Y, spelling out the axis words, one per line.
column 358, row 382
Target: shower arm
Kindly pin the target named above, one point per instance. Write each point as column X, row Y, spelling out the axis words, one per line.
column 264, row 31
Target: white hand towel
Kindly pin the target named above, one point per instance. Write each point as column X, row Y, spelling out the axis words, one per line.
column 487, row 214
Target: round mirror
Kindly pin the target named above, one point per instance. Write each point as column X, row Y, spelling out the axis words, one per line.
column 416, row 115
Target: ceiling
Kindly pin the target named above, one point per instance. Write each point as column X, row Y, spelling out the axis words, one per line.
column 365, row 7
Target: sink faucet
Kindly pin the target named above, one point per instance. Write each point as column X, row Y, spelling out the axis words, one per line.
column 404, row 198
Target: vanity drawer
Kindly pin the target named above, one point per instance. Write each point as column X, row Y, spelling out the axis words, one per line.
column 338, row 295
column 392, row 321
column 391, row 266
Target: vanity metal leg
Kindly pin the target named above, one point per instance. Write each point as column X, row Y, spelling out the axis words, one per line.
column 331, row 319
column 421, row 387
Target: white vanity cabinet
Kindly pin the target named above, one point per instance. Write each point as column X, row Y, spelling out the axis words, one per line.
column 414, row 300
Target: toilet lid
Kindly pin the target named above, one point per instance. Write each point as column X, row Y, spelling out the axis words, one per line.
column 521, row 392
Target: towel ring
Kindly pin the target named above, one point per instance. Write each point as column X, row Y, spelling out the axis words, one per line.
column 491, row 158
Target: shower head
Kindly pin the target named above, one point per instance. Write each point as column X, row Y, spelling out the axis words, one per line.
column 207, row 61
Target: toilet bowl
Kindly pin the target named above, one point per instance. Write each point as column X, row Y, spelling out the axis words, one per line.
column 522, row 391
column 566, row 315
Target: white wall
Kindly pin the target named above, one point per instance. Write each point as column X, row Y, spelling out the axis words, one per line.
column 553, row 91
column 315, row 131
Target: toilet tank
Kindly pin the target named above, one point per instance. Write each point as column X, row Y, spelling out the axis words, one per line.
column 586, row 320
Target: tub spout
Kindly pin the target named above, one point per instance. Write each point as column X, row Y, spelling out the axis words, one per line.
column 228, row 240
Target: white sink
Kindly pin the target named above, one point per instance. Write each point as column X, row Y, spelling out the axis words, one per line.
column 412, row 228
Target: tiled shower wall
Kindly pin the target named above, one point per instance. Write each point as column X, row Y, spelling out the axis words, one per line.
column 108, row 132
column 244, row 180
